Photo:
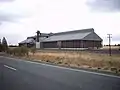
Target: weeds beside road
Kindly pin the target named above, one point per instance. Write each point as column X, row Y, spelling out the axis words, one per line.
column 79, row 59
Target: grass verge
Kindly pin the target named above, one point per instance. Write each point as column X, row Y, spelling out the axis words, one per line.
column 80, row 59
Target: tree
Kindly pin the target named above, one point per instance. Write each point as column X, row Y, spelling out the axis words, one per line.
column 0, row 41
column 4, row 44
column 1, row 47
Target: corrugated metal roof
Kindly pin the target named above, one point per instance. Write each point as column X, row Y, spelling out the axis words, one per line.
column 92, row 36
column 30, row 40
column 70, row 35
column 42, row 35
column 84, row 34
column 75, row 31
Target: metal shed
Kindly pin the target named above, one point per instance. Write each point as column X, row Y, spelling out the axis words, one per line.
column 85, row 38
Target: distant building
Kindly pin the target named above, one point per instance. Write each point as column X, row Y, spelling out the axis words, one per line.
column 85, row 38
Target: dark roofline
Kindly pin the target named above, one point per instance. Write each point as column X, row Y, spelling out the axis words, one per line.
column 31, row 37
column 42, row 35
column 59, row 33
column 75, row 31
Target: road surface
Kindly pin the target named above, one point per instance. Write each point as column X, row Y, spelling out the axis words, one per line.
column 25, row 75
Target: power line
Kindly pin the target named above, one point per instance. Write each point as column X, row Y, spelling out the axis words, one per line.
column 109, row 37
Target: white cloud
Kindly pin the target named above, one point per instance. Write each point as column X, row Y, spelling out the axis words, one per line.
column 6, row 0
column 57, row 16
column 104, row 5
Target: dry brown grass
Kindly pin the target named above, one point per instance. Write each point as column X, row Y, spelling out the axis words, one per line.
column 113, row 47
column 78, row 59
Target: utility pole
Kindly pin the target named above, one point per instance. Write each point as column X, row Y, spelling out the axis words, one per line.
column 109, row 37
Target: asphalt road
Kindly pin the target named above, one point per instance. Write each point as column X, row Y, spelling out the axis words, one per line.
column 24, row 75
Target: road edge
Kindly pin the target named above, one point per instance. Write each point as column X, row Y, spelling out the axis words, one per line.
column 62, row 66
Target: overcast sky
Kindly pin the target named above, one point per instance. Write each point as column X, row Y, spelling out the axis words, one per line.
column 22, row 18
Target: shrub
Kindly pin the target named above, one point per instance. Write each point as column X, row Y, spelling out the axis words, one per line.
column 1, row 47
column 24, row 51
column 33, row 50
column 13, row 46
column 118, row 44
column 114, row 69
column 9, row 51
column 18, row 51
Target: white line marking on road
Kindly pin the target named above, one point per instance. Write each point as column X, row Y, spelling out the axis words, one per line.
column 78, row 70
column 10, row 67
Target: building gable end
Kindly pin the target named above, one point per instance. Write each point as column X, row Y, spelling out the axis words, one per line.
column 92, row 36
